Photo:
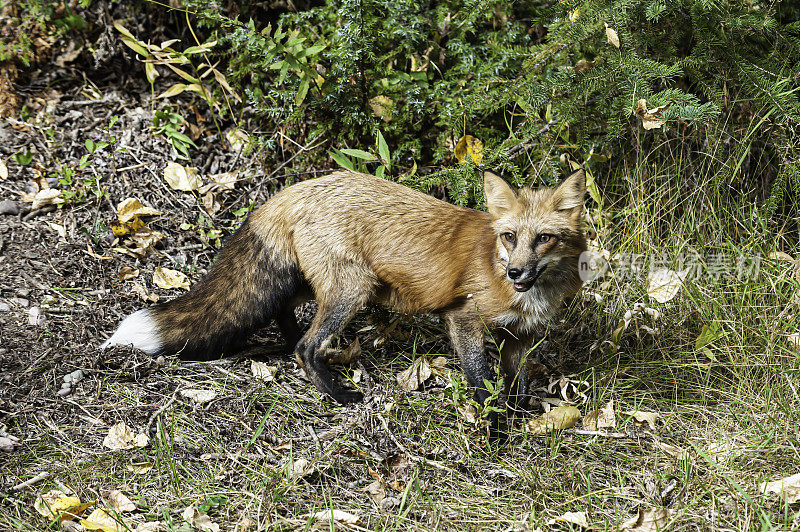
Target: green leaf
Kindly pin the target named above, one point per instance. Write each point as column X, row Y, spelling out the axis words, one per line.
column 710, row 333
column 136, row 46
column 359, row 154
column 173, row 91
column 90, row 147
column 205, row 47
column 341, row 160
column 302, row 90
column 188, row 77
column 150, row 72
column 380, row 172
column 383, row 151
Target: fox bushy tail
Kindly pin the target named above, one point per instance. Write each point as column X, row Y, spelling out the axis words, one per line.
column 250, row 283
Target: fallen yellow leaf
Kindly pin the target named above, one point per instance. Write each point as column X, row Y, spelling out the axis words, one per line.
column 180, row 177
column 559, row 418
column 168, row 279
column 469, row 147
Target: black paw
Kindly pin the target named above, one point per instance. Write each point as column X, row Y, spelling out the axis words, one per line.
column 344, row 397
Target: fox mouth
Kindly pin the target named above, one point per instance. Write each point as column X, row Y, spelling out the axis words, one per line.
column 528, row 283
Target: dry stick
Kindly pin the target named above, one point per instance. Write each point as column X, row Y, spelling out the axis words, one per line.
column 604, row 434
column 794, row 390
column 160, row 411
column 524, row 145
column 41, row 476
column 412, row 457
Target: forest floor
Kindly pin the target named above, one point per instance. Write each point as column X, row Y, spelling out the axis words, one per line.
column 246, row 443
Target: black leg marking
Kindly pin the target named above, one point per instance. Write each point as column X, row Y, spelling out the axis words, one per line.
column 467, row 336
column 515, row 368
column 327, row 322
column 287, row 323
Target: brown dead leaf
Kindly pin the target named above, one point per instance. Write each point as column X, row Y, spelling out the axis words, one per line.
column 678, row 453
column 180, row 177
column 559, row 418
column 787, row 488
column 153, row 526
column 211, row 203
column 584, row 66
column 126, row 273
column 168, row 279
column 375, row 491
column 220, row 182
column 652, row 520
column 131, row 208
column 574, row 518
column 145, row 238
column 117, row 501
column 57, row 504
column 780, row 255
column 96, row 256
column 383, row 107
column 199, row 395
column 469, row 413
column 301, row 468
column 411, row 379
column 650, row 117
column 237, row 139
column 144, row 295
column 263, row 371
column 199, row 520
column 335, row 515
column 120, row 436
column 601, row 419
column 794, row 339
column 611, row 35
column 664, row 284
column 140, row 244
column 439, row 367
column 104, row 520
column 47, row 196
column 644, row 417
column 139, row 468
column 469, row 147
column 347, row 355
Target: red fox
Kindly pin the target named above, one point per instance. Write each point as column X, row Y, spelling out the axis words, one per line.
column 348, row 239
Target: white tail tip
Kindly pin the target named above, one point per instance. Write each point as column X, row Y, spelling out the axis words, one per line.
column 138, row 330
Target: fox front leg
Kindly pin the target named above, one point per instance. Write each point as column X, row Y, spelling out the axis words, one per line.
column 467, row 336
column 515, row 367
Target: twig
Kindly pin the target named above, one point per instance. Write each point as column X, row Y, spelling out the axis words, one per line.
column 314, row 436
column 604, row 434
column 132, row 167
column 160, row 411
column 791, row 386
column 41, row 476
column 524, row 145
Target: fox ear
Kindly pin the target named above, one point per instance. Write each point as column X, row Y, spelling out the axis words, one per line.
column 569, row 194
column 500, row 197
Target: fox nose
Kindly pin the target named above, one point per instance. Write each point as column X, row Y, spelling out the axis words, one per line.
column 514, row 273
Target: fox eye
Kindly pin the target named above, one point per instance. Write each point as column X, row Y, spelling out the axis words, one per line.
column 511, row 238
column 544, row 237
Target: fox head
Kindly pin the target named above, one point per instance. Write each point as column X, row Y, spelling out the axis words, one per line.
column 537, row 230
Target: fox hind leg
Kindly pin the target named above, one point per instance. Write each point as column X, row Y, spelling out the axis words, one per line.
column 287, row 323
column 330, row 319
